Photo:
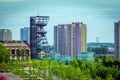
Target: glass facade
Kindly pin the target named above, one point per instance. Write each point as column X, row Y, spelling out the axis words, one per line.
column 25, row 34
column 85, row 56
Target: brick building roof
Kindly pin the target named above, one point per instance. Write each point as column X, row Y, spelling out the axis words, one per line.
column 15, row 43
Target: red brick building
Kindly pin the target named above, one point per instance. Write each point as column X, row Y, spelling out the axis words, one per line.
column 15, row 46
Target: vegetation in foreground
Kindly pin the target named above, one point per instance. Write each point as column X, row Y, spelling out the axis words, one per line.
column 74, row 70
column 108, row 69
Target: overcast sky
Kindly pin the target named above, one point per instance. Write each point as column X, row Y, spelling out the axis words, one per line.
column 99, row 15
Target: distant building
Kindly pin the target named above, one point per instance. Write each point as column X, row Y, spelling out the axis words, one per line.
column 65, row 58
column 70, row 39
column 25, row 34
column 5, row 34
column 15, row 45
column 41, row 55
column 117, row 39
column 54, row 56
column 102, row 50
column 86, row 56
column 59, row 57
column 100, row 44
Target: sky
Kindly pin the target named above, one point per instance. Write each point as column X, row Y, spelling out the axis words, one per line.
column 99, row 15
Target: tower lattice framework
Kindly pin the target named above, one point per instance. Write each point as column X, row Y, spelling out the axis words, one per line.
column 38, row 38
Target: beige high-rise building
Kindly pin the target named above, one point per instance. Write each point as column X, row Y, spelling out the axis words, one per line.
column 83, row 38
column 5, row 34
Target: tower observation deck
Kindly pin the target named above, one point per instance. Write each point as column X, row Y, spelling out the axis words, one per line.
column 38, row 38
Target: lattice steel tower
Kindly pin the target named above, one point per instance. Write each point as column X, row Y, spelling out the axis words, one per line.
column 38, row 39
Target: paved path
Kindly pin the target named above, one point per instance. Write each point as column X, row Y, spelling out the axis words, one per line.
column 12, row 76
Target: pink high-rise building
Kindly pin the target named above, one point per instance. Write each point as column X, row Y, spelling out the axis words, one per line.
column 69, row 39
column 117, row 39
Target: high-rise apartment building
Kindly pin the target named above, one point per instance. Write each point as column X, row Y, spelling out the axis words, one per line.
column 117, row 39
column 25, row 34
column 70, row 39
column 5, row 34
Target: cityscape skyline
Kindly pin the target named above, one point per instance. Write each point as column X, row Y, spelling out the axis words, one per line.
column 98, row 15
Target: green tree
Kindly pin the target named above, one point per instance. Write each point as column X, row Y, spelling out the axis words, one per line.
column 44, row 65
column 18, row 53
column 62, row 70
column 22, row 53
column 4, row 54
column 102, row 72
column 70, row 73
column 99, row 63
column 110, row 59
column 98, row 78
column 92, row 67
column 118, row 59
column 88, row 75
column 30, row 64
column 109, row 77
column 74, row 63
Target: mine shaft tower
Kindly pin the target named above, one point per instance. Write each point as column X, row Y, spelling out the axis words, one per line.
column 38, row 39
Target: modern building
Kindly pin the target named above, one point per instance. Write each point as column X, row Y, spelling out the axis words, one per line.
column 85, row 56
column 25, row 34
column 117, row 39
column 59, row 57
column 54, row 56
column 15, row 46
column 38, row 38
column 5, row 34
column 65, row 58
column 69, row 39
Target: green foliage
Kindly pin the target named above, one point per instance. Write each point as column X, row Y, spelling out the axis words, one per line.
column 20, row 53
column 66, row 62
column 98, row 78
column 74, row 63
column 105, row 72
column 118, row 59
column 4, row 54
column 75, row 70
column 102, row 72
column 92, row 67
column 110, row 59
column 5, row 66
column 109, row 77
column 99, row 62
